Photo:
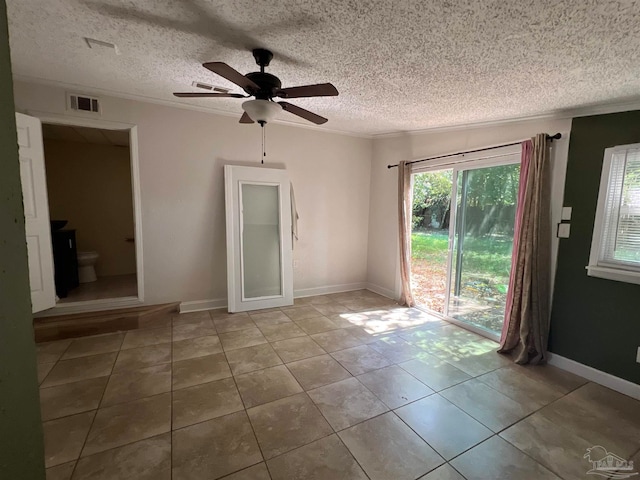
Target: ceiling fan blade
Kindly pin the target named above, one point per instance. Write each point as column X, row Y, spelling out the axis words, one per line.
column 245, row 118
column 198, row 94
column 232, row 75
column 301, row 112
column 318, row 90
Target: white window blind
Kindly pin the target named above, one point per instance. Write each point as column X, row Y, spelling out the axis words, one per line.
column 615, row 251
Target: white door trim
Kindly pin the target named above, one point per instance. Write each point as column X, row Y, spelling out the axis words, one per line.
column 87, row 306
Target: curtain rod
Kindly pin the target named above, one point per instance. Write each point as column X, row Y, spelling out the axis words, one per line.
column 557, row 136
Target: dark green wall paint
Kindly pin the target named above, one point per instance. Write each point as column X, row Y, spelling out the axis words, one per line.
column 21, row 452
column 594, row 321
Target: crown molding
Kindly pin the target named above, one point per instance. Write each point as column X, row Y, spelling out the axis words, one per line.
column 566, row 114
column 175, row 104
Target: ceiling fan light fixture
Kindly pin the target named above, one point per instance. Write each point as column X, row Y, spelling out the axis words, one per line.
column 261, row 110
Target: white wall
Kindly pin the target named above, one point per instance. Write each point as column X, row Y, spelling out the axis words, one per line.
column 383, row 270
column 182, row 153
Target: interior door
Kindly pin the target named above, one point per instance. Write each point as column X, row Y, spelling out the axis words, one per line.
column 36, row 212
column 259, row 245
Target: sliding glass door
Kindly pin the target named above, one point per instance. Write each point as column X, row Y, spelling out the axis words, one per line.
column 462, row 239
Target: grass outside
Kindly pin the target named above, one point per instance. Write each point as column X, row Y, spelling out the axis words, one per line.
column 485, row 275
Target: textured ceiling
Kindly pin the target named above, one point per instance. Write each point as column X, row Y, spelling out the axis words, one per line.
column 399, row 65
column 118, row 138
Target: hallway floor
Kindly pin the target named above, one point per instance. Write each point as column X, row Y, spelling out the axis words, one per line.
column 114, row 286
column 342, row 386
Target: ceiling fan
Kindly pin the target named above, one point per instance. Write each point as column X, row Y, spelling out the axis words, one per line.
column 265, row 87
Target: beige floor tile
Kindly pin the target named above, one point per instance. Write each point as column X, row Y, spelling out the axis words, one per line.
column 135, row 358
column 367, row 335
column 148, row 459
column 43, row 370
column 67, row 371
column 496, row 458
column 396, row 349
column 347, row 320
column 204, row 402
column 263, row 386
column 609, row 403
column 233, row 322
column 195, row 371
column 301, row 313
column 521, row 388
column 328, row 309
column 315, row 300
column 273, row 317
column 190, row 317
column 444, row 426
column 242, row 339
column 323, row 459
column 554, row 377
column 551, row 445
column 361, row 359
column 64, row 437
column 214, row 448
column 316, row 325
column 52, row 351
column 479, row 364
column 281, row 331
column 145, row 337
column 287, row 423
column 317, row 371
column 129, row 422
column 135, row 384
column 394, row 386
column 444, row 472
column 85, row 346
column 245, row 360
column 196, row 347
column 60, row 472
column 491, row 408
column 346, row 403
column 607, row 425
column 297, row 349
column 71, row 398
column 387, row 449
column 435, row 373
column 200, row 328
column 335, row 340
column 257, row 472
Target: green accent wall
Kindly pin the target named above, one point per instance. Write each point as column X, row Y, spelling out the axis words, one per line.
column 594, row 321
column 21, row 450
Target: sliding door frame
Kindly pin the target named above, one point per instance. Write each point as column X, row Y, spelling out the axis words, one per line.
column 494, row 158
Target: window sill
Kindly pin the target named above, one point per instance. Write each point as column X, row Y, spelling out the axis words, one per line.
column 616, row 274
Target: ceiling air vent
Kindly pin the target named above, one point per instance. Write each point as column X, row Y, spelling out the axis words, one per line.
column 83, row 103
column 211, row 88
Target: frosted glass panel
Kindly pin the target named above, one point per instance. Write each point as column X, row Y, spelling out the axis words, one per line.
column 261, row 241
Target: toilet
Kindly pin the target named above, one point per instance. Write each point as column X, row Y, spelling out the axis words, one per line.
column 86, row 269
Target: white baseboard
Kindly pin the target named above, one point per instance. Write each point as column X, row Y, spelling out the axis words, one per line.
column 200, row 305
column 385, row 292
column 345, row 287
column 606, row 379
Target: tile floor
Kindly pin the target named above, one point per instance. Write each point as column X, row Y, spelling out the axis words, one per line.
column 114, row 286
column 344, row 386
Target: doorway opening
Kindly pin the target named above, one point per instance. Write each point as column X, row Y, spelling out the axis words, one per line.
column 462, row 239
column 91, row 195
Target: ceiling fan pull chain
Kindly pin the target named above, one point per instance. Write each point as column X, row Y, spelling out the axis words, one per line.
column 264, row 152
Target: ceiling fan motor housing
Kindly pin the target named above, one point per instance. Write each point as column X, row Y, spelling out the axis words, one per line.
column 269, row 84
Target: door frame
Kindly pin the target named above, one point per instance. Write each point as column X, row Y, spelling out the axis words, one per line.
column 107, row 303
column 457, row 164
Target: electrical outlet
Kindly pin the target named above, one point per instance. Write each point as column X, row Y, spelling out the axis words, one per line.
column 566, row 213
column 564, row 229
column 638, row 356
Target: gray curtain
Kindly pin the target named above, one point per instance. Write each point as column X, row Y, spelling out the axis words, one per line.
column 404, row 230
column 526, row 326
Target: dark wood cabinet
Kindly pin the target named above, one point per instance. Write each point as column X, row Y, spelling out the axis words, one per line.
column 65, row 261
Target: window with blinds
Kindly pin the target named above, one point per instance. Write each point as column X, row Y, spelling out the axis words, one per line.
column 615, row 249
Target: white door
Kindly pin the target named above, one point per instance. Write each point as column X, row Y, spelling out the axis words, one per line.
column 259, row 245
column 36, row 212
